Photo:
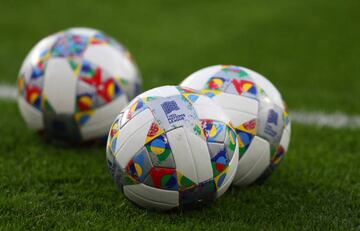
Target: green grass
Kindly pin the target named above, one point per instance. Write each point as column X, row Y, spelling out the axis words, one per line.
column 309, row 49
column 44, row 187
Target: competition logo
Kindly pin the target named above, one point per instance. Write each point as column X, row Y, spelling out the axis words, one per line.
column 272, row 117
column 170, row 108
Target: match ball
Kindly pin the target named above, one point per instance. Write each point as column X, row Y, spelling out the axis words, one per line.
column 74, row 83
column 172, row 147
column 257, row 112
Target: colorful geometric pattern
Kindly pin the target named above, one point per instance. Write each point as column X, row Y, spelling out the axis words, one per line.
column 277, row 156
column 160, row 151
column 231, row 137
column 163, row 178
column 232, row 80
column 114, row 134
column 216, row 83
column 155, row 166
column 139, row 166
column 239, row 72
column 246, row 133
column 286, row 115
column 133, row 109
column 154, row 131
column 219, row 164
column 106, row 87
column 33, row 96
column 71, row 46
column 245, row 87
column 214, row 131
column 184, row 183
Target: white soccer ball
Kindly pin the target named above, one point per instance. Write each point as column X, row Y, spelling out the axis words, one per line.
column 257, row 112
column 172, row 147
column 74, row 83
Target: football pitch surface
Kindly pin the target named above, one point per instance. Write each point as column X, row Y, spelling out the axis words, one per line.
column 308, row 49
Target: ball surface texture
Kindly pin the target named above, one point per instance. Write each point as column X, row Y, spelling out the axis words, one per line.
column 72, row 84
column 172, row 147
column 257, row 112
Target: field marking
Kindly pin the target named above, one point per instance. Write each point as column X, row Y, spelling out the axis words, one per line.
column 320, row 119
column 7, row 92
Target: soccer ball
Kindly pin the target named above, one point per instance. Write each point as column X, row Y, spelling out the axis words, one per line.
column 74, row 83
column 172, row 147
column 257, row 112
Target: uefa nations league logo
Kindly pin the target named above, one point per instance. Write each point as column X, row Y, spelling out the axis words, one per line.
column 170, row 108
column 271, row 119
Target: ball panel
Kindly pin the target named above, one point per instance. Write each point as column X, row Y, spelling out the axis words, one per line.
column 230, row 104
column 172, row 112
column 164, row 91
column 285, row 138
column 214, row 131
column 114, row 62
column 182, row 154
column 32, row 116
column 139, row 166
column 60, row 86
column 132, row 137
column 201, row 157
column 163, row 178
column 267, row 86
column 159, row 150
column 198, row 79
column 253, row 164
column 208, row 110
column 270, row 124
column 150, row 197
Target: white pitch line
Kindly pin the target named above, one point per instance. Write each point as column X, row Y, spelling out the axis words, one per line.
column 7, row 92
column 320, row 119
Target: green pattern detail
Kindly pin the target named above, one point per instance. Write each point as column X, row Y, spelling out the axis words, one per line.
column 215, row 171
column 124, row 82
column 47, row 106
column 242, row 73
column 242, row 150
column 185, row 182
column 231, row 133
column 197, row 130
column 161, row 157
column 164, row 155
column 73, row 64
column 165, row 179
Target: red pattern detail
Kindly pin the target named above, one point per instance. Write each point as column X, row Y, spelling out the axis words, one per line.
column 31, row 90
column 250, row 125
column 112, row 132
column 220, row 167
column 157, row 173
column 238, row 84
column 154, row 128
column 101, row 87
column 203, row 125
column 82, row 106
column 213, row 85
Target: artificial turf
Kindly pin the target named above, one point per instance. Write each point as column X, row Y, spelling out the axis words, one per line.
column 309, row 49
